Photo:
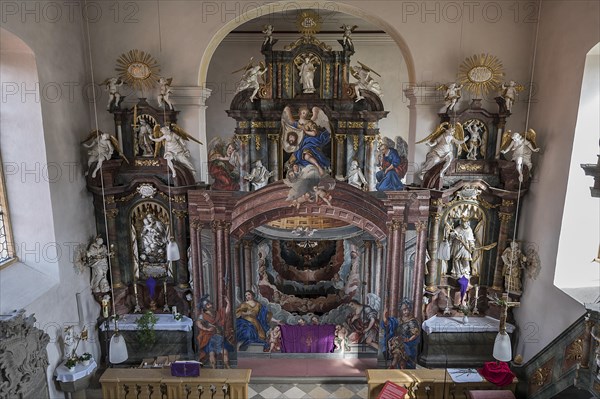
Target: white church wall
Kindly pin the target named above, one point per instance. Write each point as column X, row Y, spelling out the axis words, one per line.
column 568, row 30
column 58, row 46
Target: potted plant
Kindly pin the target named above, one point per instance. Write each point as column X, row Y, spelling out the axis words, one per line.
column 145, row 329
column 71, row 363
column 85, row 358
column 177, row 316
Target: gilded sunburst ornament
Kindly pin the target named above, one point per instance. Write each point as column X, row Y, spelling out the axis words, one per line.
column 308, row 23
column 481, row 73
column 138, row 69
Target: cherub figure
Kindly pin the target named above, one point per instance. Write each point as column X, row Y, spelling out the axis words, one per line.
column 348, row 30
column 322, row 194
column 509, row 92
column 101, row 149
column 165, row 93
column 522, row 148
column 341, row 338
column 442, row 142
column 362, row 73
column 174, row 139
column 268, row 32
column 452, row 95
column 112, row 86
column 274, row 339
column 250, row 77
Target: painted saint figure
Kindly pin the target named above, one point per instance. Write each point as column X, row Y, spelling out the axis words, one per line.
column 211, row 337
column 393, row 167
column 224, row 165
column 252, row 322
column 363, row 324
column 402, row 337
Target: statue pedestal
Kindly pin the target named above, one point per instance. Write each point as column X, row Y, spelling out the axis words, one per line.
column 448, row 342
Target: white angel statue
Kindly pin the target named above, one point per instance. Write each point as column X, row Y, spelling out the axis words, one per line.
column 174, row 139
column 348, row 30
column 112, row 86
column 250, row 77
column 451, row 95
column 362, row 73
column 522, row 148
column 165, row 93
column 442, row 142
column 509, row 92
column 101, row 149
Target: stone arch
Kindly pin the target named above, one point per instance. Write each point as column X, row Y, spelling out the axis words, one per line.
column 302, row 4
column 349, row 205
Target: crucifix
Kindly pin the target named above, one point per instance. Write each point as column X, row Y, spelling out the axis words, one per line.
column 504, row 304
column 502, row 347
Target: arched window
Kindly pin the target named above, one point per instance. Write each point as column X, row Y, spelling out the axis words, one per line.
column 7, row 244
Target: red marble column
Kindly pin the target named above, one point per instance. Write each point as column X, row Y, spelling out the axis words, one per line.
column 419, row 277
column 217, row 226
column 247, row 265
column 195, row 229
column 367, row 267
column 227, row 270
column 400, row 249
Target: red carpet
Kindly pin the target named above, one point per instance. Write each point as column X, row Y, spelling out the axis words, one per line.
column 307, row 367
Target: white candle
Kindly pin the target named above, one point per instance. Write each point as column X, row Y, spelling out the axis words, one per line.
column 174, row 309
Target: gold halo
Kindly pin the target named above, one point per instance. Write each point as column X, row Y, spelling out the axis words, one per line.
column 480, row 73
column 138, row 69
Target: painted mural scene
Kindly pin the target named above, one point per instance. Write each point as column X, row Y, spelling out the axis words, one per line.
column 328, row 220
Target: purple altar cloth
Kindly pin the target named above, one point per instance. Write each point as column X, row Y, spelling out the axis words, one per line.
column 307, row 339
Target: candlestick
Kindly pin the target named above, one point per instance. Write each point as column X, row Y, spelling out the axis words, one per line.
column 475, row 310
column 166, row 307
column 137, row 308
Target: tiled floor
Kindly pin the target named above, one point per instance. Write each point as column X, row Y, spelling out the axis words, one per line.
column 290, row 391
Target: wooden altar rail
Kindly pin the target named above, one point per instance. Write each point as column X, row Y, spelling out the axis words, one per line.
column 118, row 383
column 427, row 383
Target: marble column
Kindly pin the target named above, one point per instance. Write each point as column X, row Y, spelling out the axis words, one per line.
column 237, row 270
column 219, row 259
column 247, row 265
column 180, row 266
column 113, row 240
column 228, row 275
column 505, row 232
column 367, row 267
column 400, row 247
column 370, row 161
column 196, row 277
column 394, row 272
column 433, row 269
column 410, row 94
column 273, row 155
column 340, row 160
column 245, row 157
column 420, row 259
column 379, row 275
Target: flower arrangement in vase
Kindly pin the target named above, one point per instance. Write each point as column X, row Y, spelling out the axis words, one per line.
column 71, row 363
column 86, row 358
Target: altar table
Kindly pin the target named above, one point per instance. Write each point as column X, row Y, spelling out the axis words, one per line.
column 308, row 339
column 172, row 337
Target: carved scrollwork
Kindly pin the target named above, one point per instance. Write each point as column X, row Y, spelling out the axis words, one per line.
column 540, row 376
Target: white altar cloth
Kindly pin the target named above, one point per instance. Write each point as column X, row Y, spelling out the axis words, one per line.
column 439, row 324
column 63, row 374
column 166, row 322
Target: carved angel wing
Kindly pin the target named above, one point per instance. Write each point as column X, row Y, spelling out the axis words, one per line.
column 459, row 134
column 286, row 116
column 175, row 128
column 442, row 87
column 93, row 134
column 115, row 144
column 531, row 135
column 506, row 140
column 436, row 133
column 319, row 117
column 354, row 73
column 246, row 67
column 169, row 80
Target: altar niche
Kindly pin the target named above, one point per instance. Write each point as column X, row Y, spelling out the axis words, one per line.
column 340, row 264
